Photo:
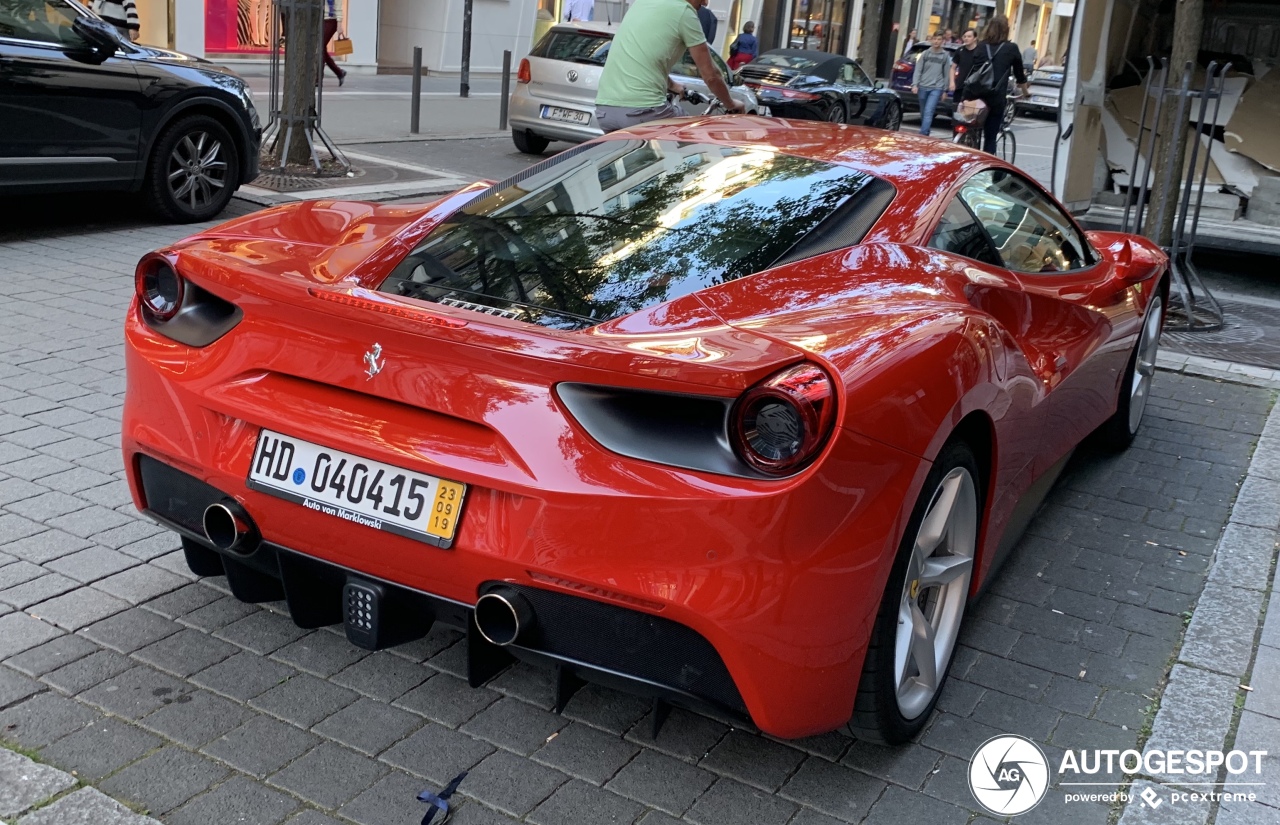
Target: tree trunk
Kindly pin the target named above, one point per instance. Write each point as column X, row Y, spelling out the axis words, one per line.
column 869, row 48
column 1171, row 144
column 302, row 19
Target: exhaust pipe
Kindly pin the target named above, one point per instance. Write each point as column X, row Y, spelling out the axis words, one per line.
column 503, row 615
column 226, row 525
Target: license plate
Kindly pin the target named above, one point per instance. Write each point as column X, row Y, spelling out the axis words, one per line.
column 566, row 115
column 358, row 490
column 1041, row 99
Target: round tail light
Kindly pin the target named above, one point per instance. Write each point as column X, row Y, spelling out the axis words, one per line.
column 524, row 74
column 160, row 290
column 780, row 425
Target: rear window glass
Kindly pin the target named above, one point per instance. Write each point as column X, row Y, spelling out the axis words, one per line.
column 575, row 47
column 622, row 225
column 786, row 61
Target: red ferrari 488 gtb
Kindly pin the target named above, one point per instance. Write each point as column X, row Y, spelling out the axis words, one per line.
column 733, row 413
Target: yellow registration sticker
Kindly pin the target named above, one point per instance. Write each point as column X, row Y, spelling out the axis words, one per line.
column 444, row 510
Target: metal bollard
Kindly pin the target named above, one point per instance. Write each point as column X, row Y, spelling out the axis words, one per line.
column 415, row 99
column 506, row 89
column 465, row 90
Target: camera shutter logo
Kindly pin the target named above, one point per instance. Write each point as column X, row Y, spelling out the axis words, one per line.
column 1009, row 775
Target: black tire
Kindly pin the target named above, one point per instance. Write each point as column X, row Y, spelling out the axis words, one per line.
column 893, row 116
column 1118, row 431
column 528, row 142
column 837, row 114
column 193, row 171
column 876, row 715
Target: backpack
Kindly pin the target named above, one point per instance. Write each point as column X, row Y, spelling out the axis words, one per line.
column 981, row 81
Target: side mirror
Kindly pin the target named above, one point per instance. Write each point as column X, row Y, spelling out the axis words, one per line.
column 879, row 85
column 102, row 37
column 735, row 79
column 1127, row 269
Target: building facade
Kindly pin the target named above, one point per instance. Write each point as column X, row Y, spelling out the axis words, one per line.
column 384, row 32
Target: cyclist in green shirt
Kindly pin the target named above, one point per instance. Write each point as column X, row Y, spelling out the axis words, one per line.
column 650, row 40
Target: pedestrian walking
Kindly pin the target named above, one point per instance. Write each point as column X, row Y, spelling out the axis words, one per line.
column 707, row 19
column 635, row 80
column 123, row 14
column 1005, row 58
column 909, row 42
column 332, row 15
column 1029, row 57
column 581, row 11
column 745, row 47
column 933, row 77
column 964, row 60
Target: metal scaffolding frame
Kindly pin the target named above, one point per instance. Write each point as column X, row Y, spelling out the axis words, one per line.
column 1191, row 306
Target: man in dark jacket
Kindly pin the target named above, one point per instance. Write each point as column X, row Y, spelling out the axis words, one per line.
column 964, row 60
column 708, row 20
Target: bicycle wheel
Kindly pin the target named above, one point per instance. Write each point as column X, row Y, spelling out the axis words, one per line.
column 1007, row 146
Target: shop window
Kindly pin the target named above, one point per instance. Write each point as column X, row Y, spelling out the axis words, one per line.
column 244, row 26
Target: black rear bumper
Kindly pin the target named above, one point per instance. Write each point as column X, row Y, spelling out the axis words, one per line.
column 584, row 639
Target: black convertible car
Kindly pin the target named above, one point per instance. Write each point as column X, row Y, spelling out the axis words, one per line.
column 812, row 85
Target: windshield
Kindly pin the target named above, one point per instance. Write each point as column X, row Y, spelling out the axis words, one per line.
column 622, row 225
column 786, row 61
column 574, row 46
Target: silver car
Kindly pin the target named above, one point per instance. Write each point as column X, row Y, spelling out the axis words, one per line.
column 1044, row 90
column 555, row 95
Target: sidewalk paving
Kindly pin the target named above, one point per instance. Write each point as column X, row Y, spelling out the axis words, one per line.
column 170, row 695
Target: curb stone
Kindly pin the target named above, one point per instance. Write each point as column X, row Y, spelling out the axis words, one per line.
column 1198, row 705
column 25, row 783
column 87, row 806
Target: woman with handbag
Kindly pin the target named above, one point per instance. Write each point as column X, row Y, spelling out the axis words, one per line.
column 332, row 15
column 995, row 58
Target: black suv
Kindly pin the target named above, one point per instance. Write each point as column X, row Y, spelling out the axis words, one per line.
column 83, row 108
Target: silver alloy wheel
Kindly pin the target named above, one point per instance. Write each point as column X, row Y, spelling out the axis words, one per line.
column 836, row 113
column 935, row 591
column 197, row 170
column 1144, row 366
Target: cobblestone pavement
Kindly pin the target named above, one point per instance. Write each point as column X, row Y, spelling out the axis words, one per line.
column 169, row 695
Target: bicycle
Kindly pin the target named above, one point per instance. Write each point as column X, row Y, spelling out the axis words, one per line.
column 696, row 98
column 967, row 129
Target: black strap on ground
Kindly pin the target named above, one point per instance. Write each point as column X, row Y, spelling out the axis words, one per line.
column 440, row 802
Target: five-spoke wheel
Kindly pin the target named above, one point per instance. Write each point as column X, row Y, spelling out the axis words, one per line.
column 1119, row 431
column 934, row 592
column 923, row 606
